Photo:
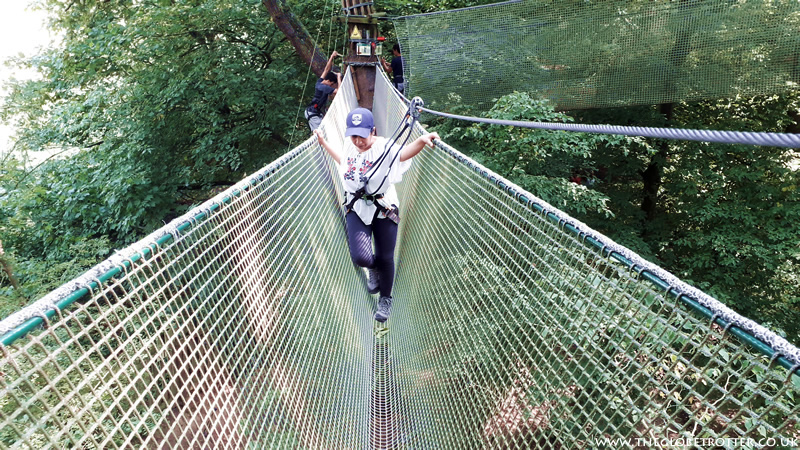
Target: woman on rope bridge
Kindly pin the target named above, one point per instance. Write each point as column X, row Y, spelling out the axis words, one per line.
column 369, row 168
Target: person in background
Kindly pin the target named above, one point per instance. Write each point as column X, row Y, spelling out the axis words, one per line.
column 370, row 167
column 395, row 68
column 326, row 86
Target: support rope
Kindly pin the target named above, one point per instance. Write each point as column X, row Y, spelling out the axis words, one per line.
column 720, row 137
column 308, row 72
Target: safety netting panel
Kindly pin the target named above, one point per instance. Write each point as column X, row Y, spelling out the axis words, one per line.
column 245, row 327
column 516, row 326
column 602, row 54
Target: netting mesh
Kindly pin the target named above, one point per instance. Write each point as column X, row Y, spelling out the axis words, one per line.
column 221, row 338
column 515, row 332
column 251, row 328
column 602, row 54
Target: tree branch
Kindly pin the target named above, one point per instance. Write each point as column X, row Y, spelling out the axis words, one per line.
column 297, row 34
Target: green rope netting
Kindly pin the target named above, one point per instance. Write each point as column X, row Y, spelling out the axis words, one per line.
column 245, row 325
column 582, row 54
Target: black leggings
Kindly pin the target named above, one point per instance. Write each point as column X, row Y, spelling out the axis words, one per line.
column 359, row 238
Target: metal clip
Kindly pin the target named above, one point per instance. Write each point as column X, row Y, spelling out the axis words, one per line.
column 415, row 107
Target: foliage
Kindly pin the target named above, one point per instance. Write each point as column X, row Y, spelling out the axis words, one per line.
column 160, row 98
column 157, row 102
column 725, row 218
column 734, row 211
column 540, row 161
column 38, row 276
column 726, row 215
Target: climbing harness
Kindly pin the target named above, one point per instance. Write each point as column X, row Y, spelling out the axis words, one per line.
column 312, row 110
column 405, row 127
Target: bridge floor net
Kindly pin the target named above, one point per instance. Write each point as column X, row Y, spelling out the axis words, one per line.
column 245, row 325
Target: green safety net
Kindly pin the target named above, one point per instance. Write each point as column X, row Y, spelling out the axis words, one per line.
column 582, row 54
column 244, row 324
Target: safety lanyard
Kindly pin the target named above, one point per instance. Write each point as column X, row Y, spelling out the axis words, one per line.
column 412, row 113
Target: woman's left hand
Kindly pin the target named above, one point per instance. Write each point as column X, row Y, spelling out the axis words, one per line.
column 419, row 143
column 429, row 137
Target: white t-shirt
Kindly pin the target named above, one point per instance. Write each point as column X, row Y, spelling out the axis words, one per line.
column 355, row 167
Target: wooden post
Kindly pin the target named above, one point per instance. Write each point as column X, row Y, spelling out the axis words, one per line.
column 360, row 14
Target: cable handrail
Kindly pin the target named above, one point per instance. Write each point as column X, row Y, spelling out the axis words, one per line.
column 787, row 140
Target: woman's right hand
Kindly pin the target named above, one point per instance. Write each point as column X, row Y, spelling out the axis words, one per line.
column 320, row 139
column 324, row 144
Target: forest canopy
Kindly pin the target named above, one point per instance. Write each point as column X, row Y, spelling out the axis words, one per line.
column 158, row 104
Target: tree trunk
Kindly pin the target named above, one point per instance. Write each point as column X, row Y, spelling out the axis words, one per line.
column 5, row 264
column 652, row 182
column 794, row 128
column 297, row 35
column 651, row 177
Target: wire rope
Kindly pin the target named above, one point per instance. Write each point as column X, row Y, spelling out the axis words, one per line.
column 716, row 136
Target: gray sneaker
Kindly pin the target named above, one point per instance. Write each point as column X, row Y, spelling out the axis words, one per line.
column 384, row 309
column 373, row 282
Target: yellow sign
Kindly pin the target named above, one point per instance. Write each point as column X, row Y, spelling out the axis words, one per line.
column 356, row 34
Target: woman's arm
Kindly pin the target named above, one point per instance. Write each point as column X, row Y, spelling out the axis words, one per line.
column 411, row 150
column 334, row 154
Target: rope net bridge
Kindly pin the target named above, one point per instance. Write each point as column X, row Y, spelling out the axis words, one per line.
column 244, row 325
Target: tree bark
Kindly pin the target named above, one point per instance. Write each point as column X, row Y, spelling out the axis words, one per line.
column 297, row 35
column 794, row 128
column 5, row 264
column 651, row 177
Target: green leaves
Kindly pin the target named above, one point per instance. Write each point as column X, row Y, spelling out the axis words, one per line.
column 540, row 161
column 735, row 211
column 725, row 215
column 158, row 102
